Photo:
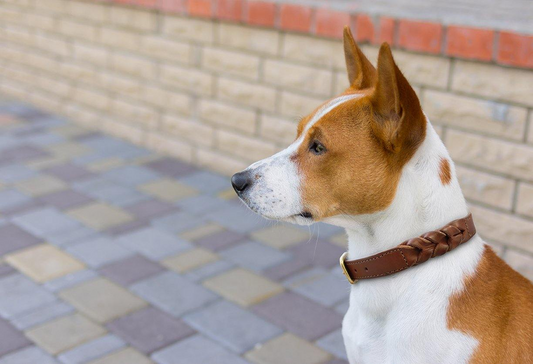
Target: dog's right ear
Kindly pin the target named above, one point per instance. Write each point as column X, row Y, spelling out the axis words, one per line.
column 361, row 73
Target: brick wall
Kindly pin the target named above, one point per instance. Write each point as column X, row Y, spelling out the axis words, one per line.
column 222, row 95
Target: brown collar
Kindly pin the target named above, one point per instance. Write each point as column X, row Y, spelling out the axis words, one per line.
column 411, row 252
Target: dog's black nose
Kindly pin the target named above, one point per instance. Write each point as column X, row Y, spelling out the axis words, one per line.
column 240, row 181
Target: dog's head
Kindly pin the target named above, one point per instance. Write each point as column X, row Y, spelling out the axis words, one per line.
column 349, row 152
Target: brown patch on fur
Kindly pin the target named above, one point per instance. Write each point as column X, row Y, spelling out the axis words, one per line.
column 445, row 172
column 496, row 308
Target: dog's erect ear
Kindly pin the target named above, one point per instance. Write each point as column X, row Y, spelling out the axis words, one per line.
column 399, row 121
column 361, row 73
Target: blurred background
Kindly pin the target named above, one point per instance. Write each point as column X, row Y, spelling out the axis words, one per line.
column 121, row 240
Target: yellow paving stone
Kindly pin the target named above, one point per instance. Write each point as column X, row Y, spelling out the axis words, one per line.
column 69, row 131
column 340, row 240
column 41, row 185
column 100, row 216
column 44, row 262
column 46, row 162
column 68, row 150
column 168, row 190
column 105, row 164
column 287, row 349
column 126, row 356
column 64, row 333
column 190, row 260
column 201, row 231
column 102, row 300
column 243, row 287
column 280, row 236
column 228, row 194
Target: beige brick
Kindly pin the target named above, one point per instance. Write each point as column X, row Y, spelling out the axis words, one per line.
column 166, row 49
column 188, row 79
column 474, row 114
column 296, row 106
column 95, row 99
column 19, row 35
column 246, row 148
column 73, row 29
column 88, row 11
column 222, row 114
column 251, row 94
column 249, row 39
column 43, row 100
column 19, row 3
column 277, row 129
column 188, row 130
column 54, row 44
column 513, row 85
column 84, row 116
column 124, row 131
column 126, row 86
column 503, row 228
column 135, row 113
column 55, row 86
column 229, row 62
column 218, row 162
column 169, row 145
column 13, row 89
column 41, row 21
column 174, row 101
column 307, row 79
column 12, row 15
column 57, row 6
column 188, row 29
column 530, row 127
column 522, row 262
column 486, row 188
column 120, row 39
column 341, row 82
column 42, row 62
column 80, row 73
column 132, row 65
column 133, row 18
column 313, row 50
column 500, row 156
column 524, row 203
column 92, row 54
column 17, row 73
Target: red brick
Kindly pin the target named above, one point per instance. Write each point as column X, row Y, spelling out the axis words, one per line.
column 147, row 3
column 261, row 13
column 201, row 8
column 364, row 28
column 173, row 6
column 124, row 1
column 420, row 36
column 331, row 23
column 470, row 43
column 229, row 9
column 515, row 49
column 296, row 17
column 386, row 30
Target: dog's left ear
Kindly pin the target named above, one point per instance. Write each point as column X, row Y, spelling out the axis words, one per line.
column 361, row 73
column 398, row 118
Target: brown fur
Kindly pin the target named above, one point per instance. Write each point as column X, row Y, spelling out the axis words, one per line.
column 445, row 172
column 496, row 308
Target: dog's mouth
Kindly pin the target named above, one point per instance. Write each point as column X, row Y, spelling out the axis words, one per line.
column 305, row 215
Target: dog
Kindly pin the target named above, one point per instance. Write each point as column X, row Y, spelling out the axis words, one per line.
column 370, row 161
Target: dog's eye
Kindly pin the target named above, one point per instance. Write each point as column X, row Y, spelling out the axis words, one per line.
column 317, row 148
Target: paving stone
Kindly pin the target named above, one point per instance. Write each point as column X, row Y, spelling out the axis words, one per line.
column 19, row 294
column 172, row 293
column 178, row 222
column 65, row 199
column 12, row 339
column 299, row 315
column 342, row 307
column 126, row 356
column 228, row 195
column 150, row 329
column 41, row 185
column 201, row 204
column 153, row 243
column 320, row 286
column 41, row 314
column 190, row 259
column 131, row 175
column 105, row 164
column 11, row 198
column 44, row 262
column 337, row 361
column 280, row 236
column 334, row 343
column 92, row 350
column 220, row 240
column 208, row 270
column 6, row 270
column 243, row 287
column 286, row 269
column 322, row 230
column 150, row 209
column 101, row 189
column 64, row 333
column 233, row 327
column 30, row 206
column 15, row 172
column 100, row 216
column 254, row 256
column 67, row 149
column 340, row 239
column 201, row 231
column 74, row 236
column 69, row 172
column 102, row 300
column 23, row 153
column 167, row 190
column 45, row 222
column 70, row 280
column 13, row 238
column 130, row 270
column 287, row 349
column 196, row 350
column 207, row 182
column 28, row 355
column 128, row 227
column 238, row 219
column 171, row 167
column 99, row 251
column 318, row 252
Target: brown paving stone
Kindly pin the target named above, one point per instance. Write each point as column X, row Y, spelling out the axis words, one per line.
column 201, row 231
column 100, row 216
column 168, row 190
column 191, row 259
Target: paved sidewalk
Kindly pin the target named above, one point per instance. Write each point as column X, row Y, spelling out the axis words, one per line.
column 112, row 254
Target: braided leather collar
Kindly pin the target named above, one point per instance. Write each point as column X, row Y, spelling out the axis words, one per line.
column 411, row 252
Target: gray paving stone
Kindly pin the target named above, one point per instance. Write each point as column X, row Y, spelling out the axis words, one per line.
column 254, row 256
column 75, row 236
column 320, row 286
column 150, row 329
column 130, row 175
column 201, row 204
column 196, row 350
column 41, row 314
column 11, row 198
column 19, row 294
column 178, row 222
column 153, row 243
column 321, row 229
column 6, row 270
column 99, row 252
column 70, row 280
column 69, row 172
column 12, row 339
column 334, row 343
column 13, row 238
column 15, row 172
column 128, row 227
column 130, row 270
column 28, row 355
column 207, row 182
column 171, row 167
column 150, row 209
column 286, row 269
column 238, row 218
column 102, row 189
column 92, row 350
column 231, row 326
column 23, row 153
column 65, row 199
column 342, row 307
column 45, row 222
column 318, row 252
column 220, row 240
column 209, row 270
column 173, row 293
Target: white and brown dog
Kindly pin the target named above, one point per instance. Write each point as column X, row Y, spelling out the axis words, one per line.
column 370, row 161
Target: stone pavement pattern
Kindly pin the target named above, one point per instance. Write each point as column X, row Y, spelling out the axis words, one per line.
column 110, row 253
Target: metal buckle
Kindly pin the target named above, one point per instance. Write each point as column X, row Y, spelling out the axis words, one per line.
column 344, row 270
